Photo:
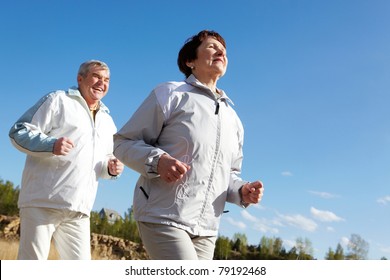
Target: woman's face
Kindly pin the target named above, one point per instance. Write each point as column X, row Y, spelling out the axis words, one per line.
column 211, row 59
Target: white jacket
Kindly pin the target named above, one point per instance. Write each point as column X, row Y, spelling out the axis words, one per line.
column 63, row 182
column 185, row 120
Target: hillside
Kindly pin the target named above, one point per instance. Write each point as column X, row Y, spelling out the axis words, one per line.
column 103, row 247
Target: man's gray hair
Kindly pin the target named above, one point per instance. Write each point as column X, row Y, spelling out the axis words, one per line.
column 86, row 66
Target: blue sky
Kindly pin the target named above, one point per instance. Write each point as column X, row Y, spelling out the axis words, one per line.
column 309, row 79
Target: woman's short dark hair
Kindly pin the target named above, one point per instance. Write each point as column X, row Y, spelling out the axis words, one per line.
column 188, row 52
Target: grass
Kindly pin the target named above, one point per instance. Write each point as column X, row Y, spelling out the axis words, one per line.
column 9, row 251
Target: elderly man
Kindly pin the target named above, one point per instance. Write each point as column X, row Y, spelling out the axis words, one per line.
column 68, row 139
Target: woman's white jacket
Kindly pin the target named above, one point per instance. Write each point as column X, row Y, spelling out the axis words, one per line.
column 186, row 121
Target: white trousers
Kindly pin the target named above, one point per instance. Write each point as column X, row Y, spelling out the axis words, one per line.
column 164, row 242
column 69, row 230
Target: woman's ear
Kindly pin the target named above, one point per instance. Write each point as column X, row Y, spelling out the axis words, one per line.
column 190, row 65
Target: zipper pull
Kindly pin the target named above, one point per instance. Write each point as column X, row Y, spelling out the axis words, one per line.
column 217, row 108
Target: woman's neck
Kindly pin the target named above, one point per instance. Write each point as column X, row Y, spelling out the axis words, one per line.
column 209, row 82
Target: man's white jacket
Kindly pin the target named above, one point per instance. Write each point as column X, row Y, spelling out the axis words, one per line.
column 63, row 182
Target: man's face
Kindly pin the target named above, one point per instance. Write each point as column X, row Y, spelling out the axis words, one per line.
column 94, row 86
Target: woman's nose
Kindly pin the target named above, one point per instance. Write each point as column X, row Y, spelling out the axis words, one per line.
column 221, row 51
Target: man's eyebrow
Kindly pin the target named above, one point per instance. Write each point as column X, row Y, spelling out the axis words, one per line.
column 100, row 76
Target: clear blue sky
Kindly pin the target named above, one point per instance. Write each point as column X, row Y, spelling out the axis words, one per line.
column 309, row 79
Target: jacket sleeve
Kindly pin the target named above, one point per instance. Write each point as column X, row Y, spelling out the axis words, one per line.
column 236, row 182
column 30, row 132
column 104, row 174
column 109, row 129
column 135, row 142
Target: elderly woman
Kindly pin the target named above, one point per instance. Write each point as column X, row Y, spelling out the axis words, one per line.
column 186, row 141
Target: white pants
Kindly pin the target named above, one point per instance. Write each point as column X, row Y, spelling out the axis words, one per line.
column 164, row 242
column 69, row 230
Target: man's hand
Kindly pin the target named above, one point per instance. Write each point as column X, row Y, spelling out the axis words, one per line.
column 115, row 167
column 63, row 146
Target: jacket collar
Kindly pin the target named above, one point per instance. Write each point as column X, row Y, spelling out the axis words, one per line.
column 73, row 91
column 192, row 80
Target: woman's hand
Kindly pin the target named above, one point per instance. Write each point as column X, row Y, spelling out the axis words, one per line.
column 171, row 169
column 252, row 192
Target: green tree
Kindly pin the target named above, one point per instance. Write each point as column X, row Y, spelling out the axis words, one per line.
column 8, row 198
column 115, row 229
column 292, row 254
column 271, row 248
column 330, row 254
column 358, row 248
column 100, row 225
column 222, row 248
column 266, row 248
column 123, row 228
column 339, row 254
column 304, row 249
column 278, row 249
column 240, row 244
column 94, row 221
column 129, row 229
